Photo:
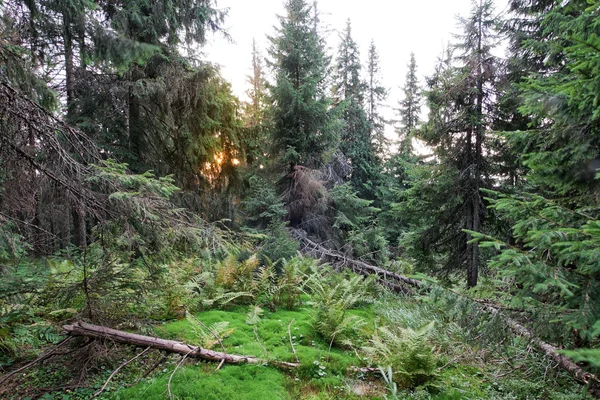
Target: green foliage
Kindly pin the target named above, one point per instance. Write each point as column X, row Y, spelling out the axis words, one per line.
column 408, row 353
column 279, row 245
column 262, row 206
column 376, row 96
column 553, row 258
column 349, row 94
column 331, row 299
column 409, row 108
column 355, row 220
column 304, row 127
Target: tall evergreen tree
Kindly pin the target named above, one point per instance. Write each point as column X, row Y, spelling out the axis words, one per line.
column 376, row 97
column 409, row 108
column 304, row 129
column 255, row 111
column 460, row 97
column 349, row 93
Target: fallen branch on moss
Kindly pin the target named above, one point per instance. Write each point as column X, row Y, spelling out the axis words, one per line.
column 188, row 351
column 172, row 346
column 340, row 260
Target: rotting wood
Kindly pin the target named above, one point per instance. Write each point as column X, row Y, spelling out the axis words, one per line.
column 340, row 260
column 100, row 332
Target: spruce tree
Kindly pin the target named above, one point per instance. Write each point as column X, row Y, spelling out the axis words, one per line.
column 255, row 112
column 376, row 97
column 554, row 216
column 409, row 109
column 349, row 93
column 459, row 97
column 304, row 129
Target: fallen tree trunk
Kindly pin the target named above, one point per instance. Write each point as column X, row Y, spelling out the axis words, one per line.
column 172, row 346
column 340, row 260
column 149, row 342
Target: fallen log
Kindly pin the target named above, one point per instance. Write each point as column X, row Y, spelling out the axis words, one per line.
column 81, row 328
column 337, row 259
column 340, row 260
column 101, row 332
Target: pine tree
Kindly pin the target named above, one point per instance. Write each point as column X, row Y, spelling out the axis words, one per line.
column 376, row 96
column 349, row 93
column 409, row 108
column 304, row 129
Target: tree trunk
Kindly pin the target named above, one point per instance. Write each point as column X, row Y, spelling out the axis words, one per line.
column 77, row 210
column 69, row 82
column 101, row 332
column 135, row 131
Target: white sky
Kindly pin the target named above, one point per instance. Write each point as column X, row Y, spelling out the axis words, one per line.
column 398, row 28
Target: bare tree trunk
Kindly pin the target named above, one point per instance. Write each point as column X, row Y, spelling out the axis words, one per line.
column 101, row 332
column 77, row 210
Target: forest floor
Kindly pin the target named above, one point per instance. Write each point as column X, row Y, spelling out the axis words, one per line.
column 465, row 367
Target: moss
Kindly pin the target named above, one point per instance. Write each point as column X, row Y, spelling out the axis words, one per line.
column 248, row 382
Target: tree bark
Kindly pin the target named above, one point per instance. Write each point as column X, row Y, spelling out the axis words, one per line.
column 172, row 346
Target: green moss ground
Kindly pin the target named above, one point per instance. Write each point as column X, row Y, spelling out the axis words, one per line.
column 322, row 377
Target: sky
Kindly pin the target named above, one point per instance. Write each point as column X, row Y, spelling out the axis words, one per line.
column 398, row 27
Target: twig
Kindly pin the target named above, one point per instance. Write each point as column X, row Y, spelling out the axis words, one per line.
column 173, row 373
column 220, row 365
column 37, row 360
column 448, row 363
column 117, row 370
column 160, row 361
column 291, row 342
column 259, row 343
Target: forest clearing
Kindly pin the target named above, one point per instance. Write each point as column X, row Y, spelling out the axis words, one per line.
column 162, row 237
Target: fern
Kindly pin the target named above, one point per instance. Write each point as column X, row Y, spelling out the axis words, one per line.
column 332, row 299
column 407, row 351
column 208, row 336
column 254, row 316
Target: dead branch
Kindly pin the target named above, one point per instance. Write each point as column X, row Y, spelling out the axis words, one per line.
column 291, row 342
column 117, row 370
column 101, row 332
column 175, row 370
column 37, row 360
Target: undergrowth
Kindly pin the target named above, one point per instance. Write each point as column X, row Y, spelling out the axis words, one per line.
column 428, row 346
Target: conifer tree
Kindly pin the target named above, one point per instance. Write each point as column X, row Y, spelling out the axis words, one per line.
column 554, row 217
column 304, row 129
column 409, row 108
column 460, row 96
column 349, row 93
column 376, row 97
column 255, row 111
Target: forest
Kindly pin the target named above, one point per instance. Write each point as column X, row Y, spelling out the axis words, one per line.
column 163, row 238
